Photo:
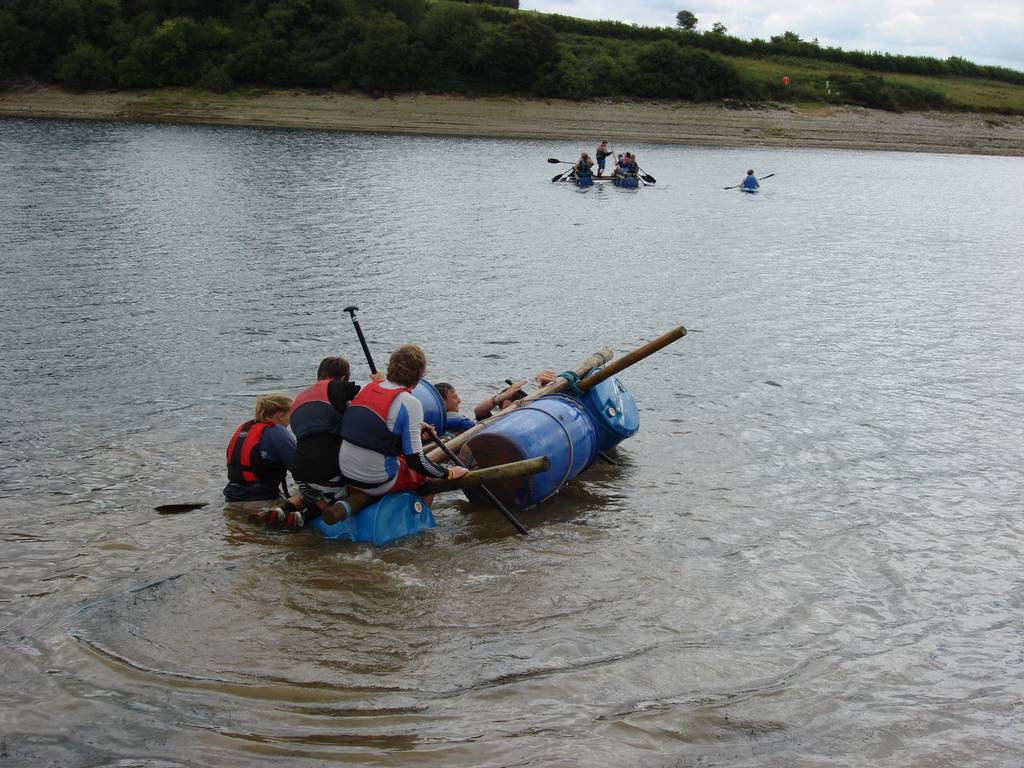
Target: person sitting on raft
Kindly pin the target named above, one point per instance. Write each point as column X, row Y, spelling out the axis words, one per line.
column 382, row 449
column 260, row 453
column 454, row 420
column 602, row 153
column 584, row 166
column 626, row 166
column 750, row 182
column 457, row 423
column 316, row 417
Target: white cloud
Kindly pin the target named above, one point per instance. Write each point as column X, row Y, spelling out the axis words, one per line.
column 986, row 32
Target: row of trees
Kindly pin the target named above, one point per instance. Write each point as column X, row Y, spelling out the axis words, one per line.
column 386, row 45
column 392, row 45
column 790, row 44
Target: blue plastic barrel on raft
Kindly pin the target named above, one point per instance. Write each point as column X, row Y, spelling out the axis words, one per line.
column 394, row 516
column 584, row 181
column 556, row 426
column 433, row 405
column 626, row 182
column 613, row 410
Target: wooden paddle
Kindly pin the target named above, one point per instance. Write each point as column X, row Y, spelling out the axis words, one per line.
column 177, row 509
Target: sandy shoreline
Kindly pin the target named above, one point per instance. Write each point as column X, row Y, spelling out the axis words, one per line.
column 655, row 122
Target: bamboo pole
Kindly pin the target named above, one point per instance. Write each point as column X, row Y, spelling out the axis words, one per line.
column 486, row 475
column 596, row 360
column 635, row 356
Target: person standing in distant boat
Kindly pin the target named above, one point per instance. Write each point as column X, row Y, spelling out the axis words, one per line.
column 602, row 153
column 261, row 452
column 750, row 182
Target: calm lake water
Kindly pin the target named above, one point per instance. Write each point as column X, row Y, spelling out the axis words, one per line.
column 811, row 553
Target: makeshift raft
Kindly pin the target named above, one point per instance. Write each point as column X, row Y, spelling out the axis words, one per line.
column 626, row 182
column 562, row 427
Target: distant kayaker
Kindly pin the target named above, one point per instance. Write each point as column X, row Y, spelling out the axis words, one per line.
column 750, row 182
column 382, row 449
column 584, row 166
column 260, row 453
column 602, row 153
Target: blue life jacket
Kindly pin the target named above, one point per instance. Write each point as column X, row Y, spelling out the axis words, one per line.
column 750, row 182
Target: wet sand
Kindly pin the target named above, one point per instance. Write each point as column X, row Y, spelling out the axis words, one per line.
column 720, row 124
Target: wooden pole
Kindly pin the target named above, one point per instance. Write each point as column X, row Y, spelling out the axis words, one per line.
column 596, row 360
column 356, row 502
column 635, row 356
column 486, row 475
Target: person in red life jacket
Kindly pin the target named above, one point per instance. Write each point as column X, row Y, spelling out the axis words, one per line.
column 382, row 449
column 316, row 416
column 260, row 453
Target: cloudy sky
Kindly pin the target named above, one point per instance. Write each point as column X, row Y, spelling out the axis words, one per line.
column 982, row 31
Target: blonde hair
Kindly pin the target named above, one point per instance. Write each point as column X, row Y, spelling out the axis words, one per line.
column 406, row 365
column 268, row 405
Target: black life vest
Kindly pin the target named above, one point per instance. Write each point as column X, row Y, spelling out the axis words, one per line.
column 313, row 414
column 245, row 465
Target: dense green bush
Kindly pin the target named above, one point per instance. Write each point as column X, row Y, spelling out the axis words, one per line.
column 515, row 55
column 666, row 70
column 86, row 67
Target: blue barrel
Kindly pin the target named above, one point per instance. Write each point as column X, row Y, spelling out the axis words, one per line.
column 433, row 405
column 584, row 181
column 556, row 426
column 614, row 411
column 626, row 182
column 394, row 516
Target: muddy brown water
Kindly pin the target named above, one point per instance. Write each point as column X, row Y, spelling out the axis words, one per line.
column 810, row 553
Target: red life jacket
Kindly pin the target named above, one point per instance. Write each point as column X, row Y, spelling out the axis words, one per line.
column 245, row 465
column 366, row 420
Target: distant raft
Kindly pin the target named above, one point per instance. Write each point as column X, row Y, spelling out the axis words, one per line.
column 626, row 182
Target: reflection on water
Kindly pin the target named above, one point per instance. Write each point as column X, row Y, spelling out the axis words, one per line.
column 810, row 552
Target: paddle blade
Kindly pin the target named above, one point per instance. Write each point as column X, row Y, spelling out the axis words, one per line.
column 556, row 177
column 177, row 509
column 553, row 160
column 649, row 179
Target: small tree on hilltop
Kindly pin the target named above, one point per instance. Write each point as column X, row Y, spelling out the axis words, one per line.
column 718, row 28
column 686, row 20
